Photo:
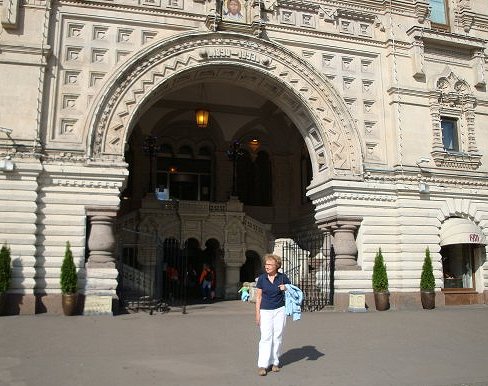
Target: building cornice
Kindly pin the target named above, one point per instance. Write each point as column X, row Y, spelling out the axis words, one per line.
column 319, row 34
column 433, row 176
column 143, row 9
column 435, row 38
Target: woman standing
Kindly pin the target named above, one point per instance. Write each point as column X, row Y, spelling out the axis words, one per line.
column 270, row 313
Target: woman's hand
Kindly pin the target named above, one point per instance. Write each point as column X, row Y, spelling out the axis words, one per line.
column 282, row 287
column 259, row 295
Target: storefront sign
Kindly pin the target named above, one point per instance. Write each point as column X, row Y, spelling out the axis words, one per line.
column 474, row 238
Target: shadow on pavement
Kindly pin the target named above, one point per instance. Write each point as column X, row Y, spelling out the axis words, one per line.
column 310, row 353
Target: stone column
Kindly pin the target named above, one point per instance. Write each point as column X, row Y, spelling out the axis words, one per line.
column 343, row 231
column 101, row 270
column 234, row 259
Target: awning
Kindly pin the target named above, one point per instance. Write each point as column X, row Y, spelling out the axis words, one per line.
column 461, row 231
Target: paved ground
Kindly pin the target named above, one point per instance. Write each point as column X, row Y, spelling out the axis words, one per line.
column 216, row 345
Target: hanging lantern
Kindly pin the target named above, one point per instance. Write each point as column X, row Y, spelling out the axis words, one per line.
column 254, row 145
column 201, row 116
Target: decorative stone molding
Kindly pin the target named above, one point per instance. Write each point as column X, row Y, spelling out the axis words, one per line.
column 10, row 13
column 325, row 201
column 412, row 179
column 479, row 68
column 306, row 6
column 466, row 17
column 438, row 38
column 453, row 97
column 271, row 69
column 422, row 10
column 343, row 231
column 418, row 58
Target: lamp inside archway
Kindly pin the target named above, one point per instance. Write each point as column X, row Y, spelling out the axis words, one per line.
column 254, row 145
column 201, row 117
column 202, row 114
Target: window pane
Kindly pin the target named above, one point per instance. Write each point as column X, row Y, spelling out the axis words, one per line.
column 183, row 186
column 457, row 266
column 438, row 11
column 449, row 134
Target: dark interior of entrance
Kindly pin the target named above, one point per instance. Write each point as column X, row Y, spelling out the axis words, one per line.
column 249, row 149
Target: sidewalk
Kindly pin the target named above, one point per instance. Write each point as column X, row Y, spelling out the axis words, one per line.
column 216, row 345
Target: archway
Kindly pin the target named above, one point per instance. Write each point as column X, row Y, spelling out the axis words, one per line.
column 305, row 96
column 307, row 103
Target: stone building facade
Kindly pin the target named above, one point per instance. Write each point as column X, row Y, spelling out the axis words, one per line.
column 364, row 119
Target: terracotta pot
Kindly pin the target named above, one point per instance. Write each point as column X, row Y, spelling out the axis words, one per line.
column 382, row 300
column 428, row 299
column 69, row 302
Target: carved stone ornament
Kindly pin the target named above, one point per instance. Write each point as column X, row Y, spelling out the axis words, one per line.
column 453, row 97
column 276, row 73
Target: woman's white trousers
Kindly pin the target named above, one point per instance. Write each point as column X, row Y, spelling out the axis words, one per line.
column 272, row 323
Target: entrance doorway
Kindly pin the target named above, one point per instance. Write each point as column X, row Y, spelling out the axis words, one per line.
column 462, row 248
column 240, row 156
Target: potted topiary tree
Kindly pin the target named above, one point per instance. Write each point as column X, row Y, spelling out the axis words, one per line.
column 380, row 283
column 427, row 283
column 5, row 275
column 69, row 282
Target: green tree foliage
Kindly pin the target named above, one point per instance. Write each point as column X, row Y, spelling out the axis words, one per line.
column 69, row 279
column 380, row 277
column 5, row 269
column 427, row 280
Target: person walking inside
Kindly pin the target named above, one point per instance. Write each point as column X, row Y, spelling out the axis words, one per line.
column 206, row 281
column 270, row 314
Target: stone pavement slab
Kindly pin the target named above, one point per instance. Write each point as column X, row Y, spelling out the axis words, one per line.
column 216, row 345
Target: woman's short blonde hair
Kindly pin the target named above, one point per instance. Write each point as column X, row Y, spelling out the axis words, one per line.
column 275, row 258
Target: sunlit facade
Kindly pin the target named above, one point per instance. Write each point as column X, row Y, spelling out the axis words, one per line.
column 233, row 125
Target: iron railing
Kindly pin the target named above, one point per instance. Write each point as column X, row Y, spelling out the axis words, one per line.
column 308, row 261
column 153, row 273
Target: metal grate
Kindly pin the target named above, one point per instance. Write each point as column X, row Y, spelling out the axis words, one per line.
column 153, row 273
column 308, row 262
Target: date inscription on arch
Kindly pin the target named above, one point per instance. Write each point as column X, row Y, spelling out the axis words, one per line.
column 239, row 54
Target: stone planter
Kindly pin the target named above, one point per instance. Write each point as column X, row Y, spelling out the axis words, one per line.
column 428, row 299
column 69, row 302
column 382, row 300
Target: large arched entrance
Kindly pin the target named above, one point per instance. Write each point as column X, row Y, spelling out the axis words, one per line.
column 305, row 96
column 284, row 120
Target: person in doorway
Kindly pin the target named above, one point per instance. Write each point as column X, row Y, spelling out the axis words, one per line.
column 206, row 281
column 174, row 280
column 270, row 314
